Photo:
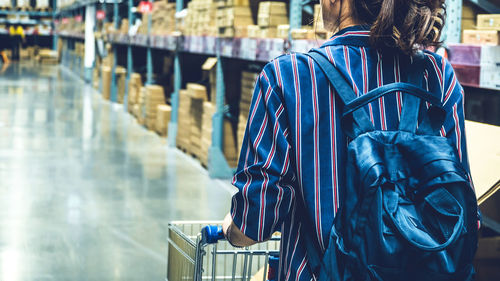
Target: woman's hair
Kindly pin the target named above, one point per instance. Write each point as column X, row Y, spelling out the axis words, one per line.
column 402, row 24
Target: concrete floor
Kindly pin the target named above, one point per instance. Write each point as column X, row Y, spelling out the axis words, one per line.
column 86, row 193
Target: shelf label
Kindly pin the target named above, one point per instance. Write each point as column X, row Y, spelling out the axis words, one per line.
column 65, row 20
column 145, row 7
column 100, row 15
column 78, row 18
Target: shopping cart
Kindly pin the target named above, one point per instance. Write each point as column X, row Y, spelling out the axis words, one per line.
column 197, row 251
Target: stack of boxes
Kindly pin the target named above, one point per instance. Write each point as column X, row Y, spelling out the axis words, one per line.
column 140, row 107
column 106, row 81
column 198, row 95
column 23, row 5
column 134, row 87
column 480, row 29
column 247, row 86
column 121, row 76
column 206, row 131
column 200, row 19
column 154, row 97
column 42, row 5
column 163, row 18
column 163, row 112
column 48, row 56
column 271, row 15
column 229, row 144
column 233, row 17
column 183, row 120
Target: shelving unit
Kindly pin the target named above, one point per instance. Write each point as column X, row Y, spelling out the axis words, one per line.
column 227, row 50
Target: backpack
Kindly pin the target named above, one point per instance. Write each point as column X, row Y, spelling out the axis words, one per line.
column 408, row 210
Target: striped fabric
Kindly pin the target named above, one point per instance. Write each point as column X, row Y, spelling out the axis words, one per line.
column 294, row 149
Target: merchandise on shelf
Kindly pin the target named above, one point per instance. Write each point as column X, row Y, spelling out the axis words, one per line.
column 121, row 77
column 488, row 21
column 23, row 5
column 232, row 16
column 481, row 37
column 469, row 14
column 283, row 31
column 163, row 113
column 271, row 15
column 6, row 4
column 124, row 26
column 200, row 18
column 106, row 81
column 42, row 4
column 163, row 18
column 154, row 97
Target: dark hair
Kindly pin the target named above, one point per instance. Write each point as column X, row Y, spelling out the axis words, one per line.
column 402, row 24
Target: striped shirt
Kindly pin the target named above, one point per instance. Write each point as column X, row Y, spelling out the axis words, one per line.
column 294, row 148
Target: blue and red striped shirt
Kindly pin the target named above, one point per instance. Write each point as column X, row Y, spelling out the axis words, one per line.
column 294, row 148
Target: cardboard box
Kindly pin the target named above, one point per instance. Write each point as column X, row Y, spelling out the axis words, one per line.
column 121, row 77
column 273, row 20
column 163, row 114
column 106, row 82
column 299, row 34
column 272, row 8
column 481, row 37
column 253, row 31
column 488, row 21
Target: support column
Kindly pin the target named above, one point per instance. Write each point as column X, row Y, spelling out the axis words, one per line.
column 149, row 58
column 174, row 99
column 453, row 27
column 217, row 164
column 130, row 62
column 90, row 11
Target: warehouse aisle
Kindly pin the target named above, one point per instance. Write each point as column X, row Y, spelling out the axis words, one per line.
column 86, row 193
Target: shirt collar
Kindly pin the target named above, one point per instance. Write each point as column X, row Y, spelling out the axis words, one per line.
column 357, row 35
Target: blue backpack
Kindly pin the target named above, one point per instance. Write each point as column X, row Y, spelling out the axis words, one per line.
column 408, row 210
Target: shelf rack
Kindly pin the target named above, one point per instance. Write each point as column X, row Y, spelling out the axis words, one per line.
column 226, row 50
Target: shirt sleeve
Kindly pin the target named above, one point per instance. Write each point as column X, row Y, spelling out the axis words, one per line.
column 263, row 176
column 454, row 124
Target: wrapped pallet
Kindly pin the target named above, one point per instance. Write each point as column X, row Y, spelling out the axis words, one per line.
column 121, row 77
column 106, row 82
column 154, row 97
column 163, row 113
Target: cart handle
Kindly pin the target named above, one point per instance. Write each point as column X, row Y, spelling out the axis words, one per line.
column 211, row 234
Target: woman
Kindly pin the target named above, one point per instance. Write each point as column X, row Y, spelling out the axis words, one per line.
column 294, row 149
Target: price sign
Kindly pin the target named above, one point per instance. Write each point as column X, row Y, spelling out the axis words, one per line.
column 56, row 21
column 78, row 18
column 145, row 7
column 100, row 15
column 65, row 20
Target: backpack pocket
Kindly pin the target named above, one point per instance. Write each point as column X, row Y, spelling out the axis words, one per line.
column 430, row 225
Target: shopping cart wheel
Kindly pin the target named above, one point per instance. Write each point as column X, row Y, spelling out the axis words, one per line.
column 210, row 234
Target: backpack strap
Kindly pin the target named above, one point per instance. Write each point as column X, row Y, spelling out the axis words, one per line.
column 359, row 122
column 411, row 104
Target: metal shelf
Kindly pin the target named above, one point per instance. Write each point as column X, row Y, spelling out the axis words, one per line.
column 75, row 6
column 28, row 13
column 487, row 5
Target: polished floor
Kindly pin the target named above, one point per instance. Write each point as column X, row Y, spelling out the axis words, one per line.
column 85, row 192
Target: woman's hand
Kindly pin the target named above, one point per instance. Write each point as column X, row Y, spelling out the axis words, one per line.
column 234, row 235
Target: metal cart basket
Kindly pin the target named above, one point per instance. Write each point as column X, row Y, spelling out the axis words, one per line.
column 191, row 257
